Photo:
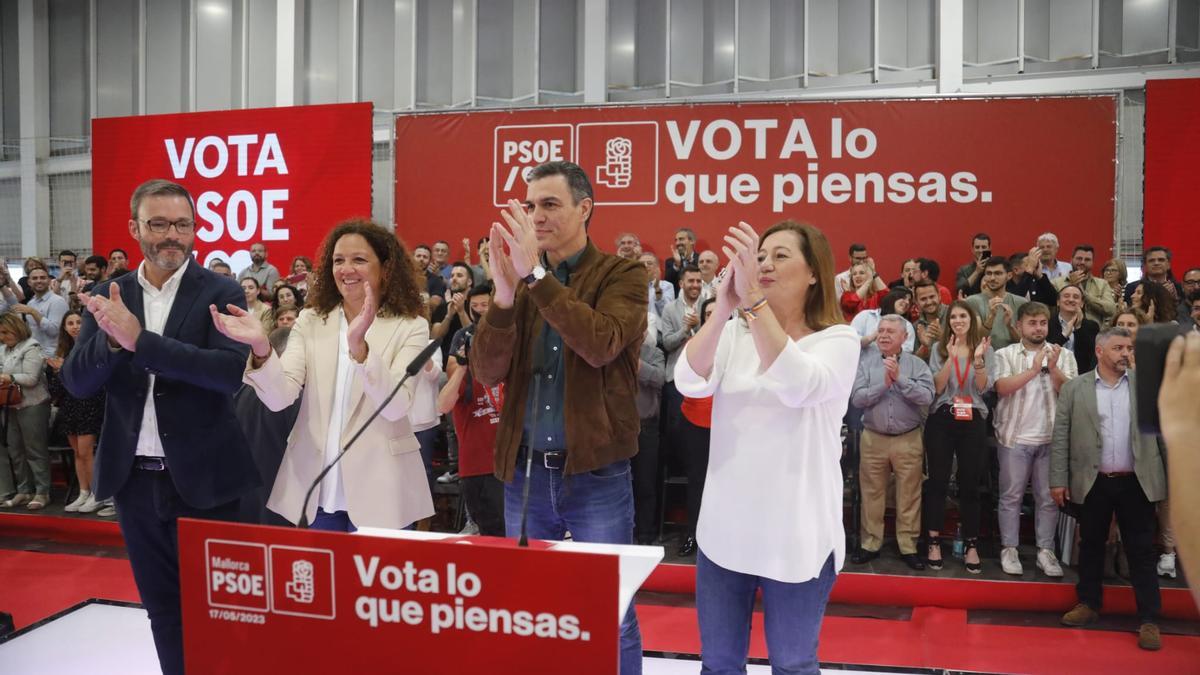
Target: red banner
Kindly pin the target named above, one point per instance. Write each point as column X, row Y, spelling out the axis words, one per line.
column 280, row 600
column 280, row 176
column 907, row 178
column 1172, row 146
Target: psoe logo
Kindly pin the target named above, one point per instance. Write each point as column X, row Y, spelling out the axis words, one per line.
column 236, row 575
column 302, row 582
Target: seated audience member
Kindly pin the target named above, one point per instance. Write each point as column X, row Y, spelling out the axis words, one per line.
column 644, row 465
column 1029, row 374
column 1102, row 464
column 1098, row 303
column 1070, row 329
column 1028, row 281
column 893, row 389
column 994, row 305
column 970, row 275
column 1156, row 267
column 629, row 246
column 25, row 475
column 476, row 412
column 266, row 434
column 660, row 292
column 866, row 293
column 695, row 426
column 858, row 254
column 964, row 369
column 1050, row 265
column 1153, row 300
column 931, row 314
column 80, row 418
column 865, row 323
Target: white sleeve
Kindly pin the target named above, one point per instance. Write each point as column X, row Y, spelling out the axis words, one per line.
column 691, row 384
column 823, row 373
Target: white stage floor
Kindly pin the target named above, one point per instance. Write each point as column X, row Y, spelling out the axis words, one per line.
column 98, row 638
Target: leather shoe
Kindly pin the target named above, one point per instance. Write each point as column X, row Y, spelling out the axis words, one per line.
column 1080, row 615
column 1149, row 638
column 862, row 555
column 688, row 548
column 913, row 561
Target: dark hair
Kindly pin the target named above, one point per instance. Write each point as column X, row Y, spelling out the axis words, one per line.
column 219, row 263
column 926, row 283
column 689, row 232
column 1085, row 247
column 465, row 266
column 65, row 341
column 888, row 304
column 1152, row 249
column 156, row 187
column 1032, row 309
column 280, row 311
column 688, row 268
column 1165, row 309
column 442, row 241
column 123, row 252
column 974, row 333
column 854, row 248
column 998, row 260
column 295, row 292
column 982, row 235
column 301, row 258
column 67, row 252
column 704, row 308
column 97, row 260
column 400, row 294
column 480, row 289
column 249, row 278
column 1137, row 314
column 576, row 177
column 1115, row 331
column 418, row 247
column 821, row 308
column 930, row 267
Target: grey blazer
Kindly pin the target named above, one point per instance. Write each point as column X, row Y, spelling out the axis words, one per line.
column 1075, row 449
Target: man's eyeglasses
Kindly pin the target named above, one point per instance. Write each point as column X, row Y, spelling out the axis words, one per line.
column 161, row 225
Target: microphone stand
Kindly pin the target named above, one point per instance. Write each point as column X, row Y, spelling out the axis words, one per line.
column 523, row 541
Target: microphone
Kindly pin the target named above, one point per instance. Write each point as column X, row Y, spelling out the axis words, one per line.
column 413, row 368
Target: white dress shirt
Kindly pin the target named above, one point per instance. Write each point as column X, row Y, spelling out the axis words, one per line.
column 773, row 495
column 1116, row 442
column 156, row 307
column 867, row 321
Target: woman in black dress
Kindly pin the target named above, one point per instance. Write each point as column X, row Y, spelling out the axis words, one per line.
column 81, row 418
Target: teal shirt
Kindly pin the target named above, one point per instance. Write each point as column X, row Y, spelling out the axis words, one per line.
column 1000, row 335
column 545, row 426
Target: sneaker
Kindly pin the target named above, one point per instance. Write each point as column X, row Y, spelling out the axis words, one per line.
column 471, row 528
column 448, row 477
column 91, row 505
column 83, row 498
column 1166, row 565
column 1080, row 615
column 1149, row 637
column 19, row 499
column 108, row 510
column 1010, row 562
column 1048, row 563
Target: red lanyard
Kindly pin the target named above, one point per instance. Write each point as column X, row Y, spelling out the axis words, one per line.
column 497, row 401
column 961, row 375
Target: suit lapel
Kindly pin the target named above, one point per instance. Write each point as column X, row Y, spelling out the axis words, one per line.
column 131, row 295
column 1090, row 402
column 185, row 297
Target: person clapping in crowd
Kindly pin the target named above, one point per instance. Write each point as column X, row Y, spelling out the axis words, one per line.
column 25, row 475
column 80, row 418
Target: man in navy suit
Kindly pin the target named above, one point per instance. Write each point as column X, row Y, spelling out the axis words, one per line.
column 170, row 446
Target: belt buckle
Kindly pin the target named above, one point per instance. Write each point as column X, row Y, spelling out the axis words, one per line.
column 547, row 456
column 152, row 464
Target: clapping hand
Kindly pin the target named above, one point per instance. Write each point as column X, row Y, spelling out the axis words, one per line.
column 891, row 370
column 241, row 326
column 982, row 348
column 114, row 318
column 356, row 332
column 512, row 251
column 742, row 251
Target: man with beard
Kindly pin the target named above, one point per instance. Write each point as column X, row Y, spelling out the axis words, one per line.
column 1028, row 279
column 931, row 312
column 1102, row 464
column 1029, row 375
column 995, row 305
column 94, row 269
column 170, row 445
column 435, row 285
column 451, row 316
column 1099, row 305
column 118, row 262
column 1071, row 329
column 43, row 311
column 263, row 272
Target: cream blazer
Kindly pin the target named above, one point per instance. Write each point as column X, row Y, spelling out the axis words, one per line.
column 383, row 475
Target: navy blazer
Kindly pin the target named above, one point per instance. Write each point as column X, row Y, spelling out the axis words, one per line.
column 197, row 371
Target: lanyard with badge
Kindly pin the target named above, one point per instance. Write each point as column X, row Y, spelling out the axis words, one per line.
column 961, row 406
column 497, row 399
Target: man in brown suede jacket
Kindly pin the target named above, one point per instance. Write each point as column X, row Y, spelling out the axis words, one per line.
column 563, row 334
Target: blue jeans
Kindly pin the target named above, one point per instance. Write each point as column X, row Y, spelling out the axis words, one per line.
column 338, row 521
column 595, row 507
column 792, row 616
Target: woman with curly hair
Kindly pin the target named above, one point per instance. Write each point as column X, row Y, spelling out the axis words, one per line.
column 363, row 324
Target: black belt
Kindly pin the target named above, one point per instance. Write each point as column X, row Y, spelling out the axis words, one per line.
column 555, row 460
column 884, row 433
column 1117, row 474
column 150, row 463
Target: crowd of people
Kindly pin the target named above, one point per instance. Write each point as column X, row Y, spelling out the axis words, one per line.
column 1029, row 350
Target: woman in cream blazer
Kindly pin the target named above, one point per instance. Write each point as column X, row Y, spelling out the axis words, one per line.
column 361, row 328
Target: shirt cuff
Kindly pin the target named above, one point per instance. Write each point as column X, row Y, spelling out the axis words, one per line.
column 689, row 382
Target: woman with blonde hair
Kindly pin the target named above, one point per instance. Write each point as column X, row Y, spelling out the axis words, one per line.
column 780, row 378
column 23, row 376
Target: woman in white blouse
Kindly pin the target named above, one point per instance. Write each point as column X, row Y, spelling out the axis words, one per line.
column 780, row 378
column 363, row 324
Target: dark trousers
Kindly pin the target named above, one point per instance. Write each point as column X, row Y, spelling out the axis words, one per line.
column 645, row 482
column 695, row 461
column 147, row 509
column 1135, row 517
column 945, row 439
column 484, row 496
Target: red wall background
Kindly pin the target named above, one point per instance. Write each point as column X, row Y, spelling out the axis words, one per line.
column 1034, row 164
column 1171, row 212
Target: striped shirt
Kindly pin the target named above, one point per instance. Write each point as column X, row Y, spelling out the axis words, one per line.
column 1026, row 417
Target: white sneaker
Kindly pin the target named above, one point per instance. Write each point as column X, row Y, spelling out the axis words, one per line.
column 91, row 504
column 470, row 528
column 108, row 510
column 448, row 477
column 1166, row 565
column 1010, row 562
column 1048, row 563
column 82, row 499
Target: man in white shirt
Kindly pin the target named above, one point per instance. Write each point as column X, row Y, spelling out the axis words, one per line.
column 1029, row 375
column 841, row 282
column 1052, row 267
column 660, row 291
column 709, row 265
column 43, row 312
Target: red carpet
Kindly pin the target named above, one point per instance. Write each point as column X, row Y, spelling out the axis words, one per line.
column 36, row 585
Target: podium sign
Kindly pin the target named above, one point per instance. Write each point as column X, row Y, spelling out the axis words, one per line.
column 270, row 599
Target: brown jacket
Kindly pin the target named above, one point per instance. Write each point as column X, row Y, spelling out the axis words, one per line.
column 601, row 316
